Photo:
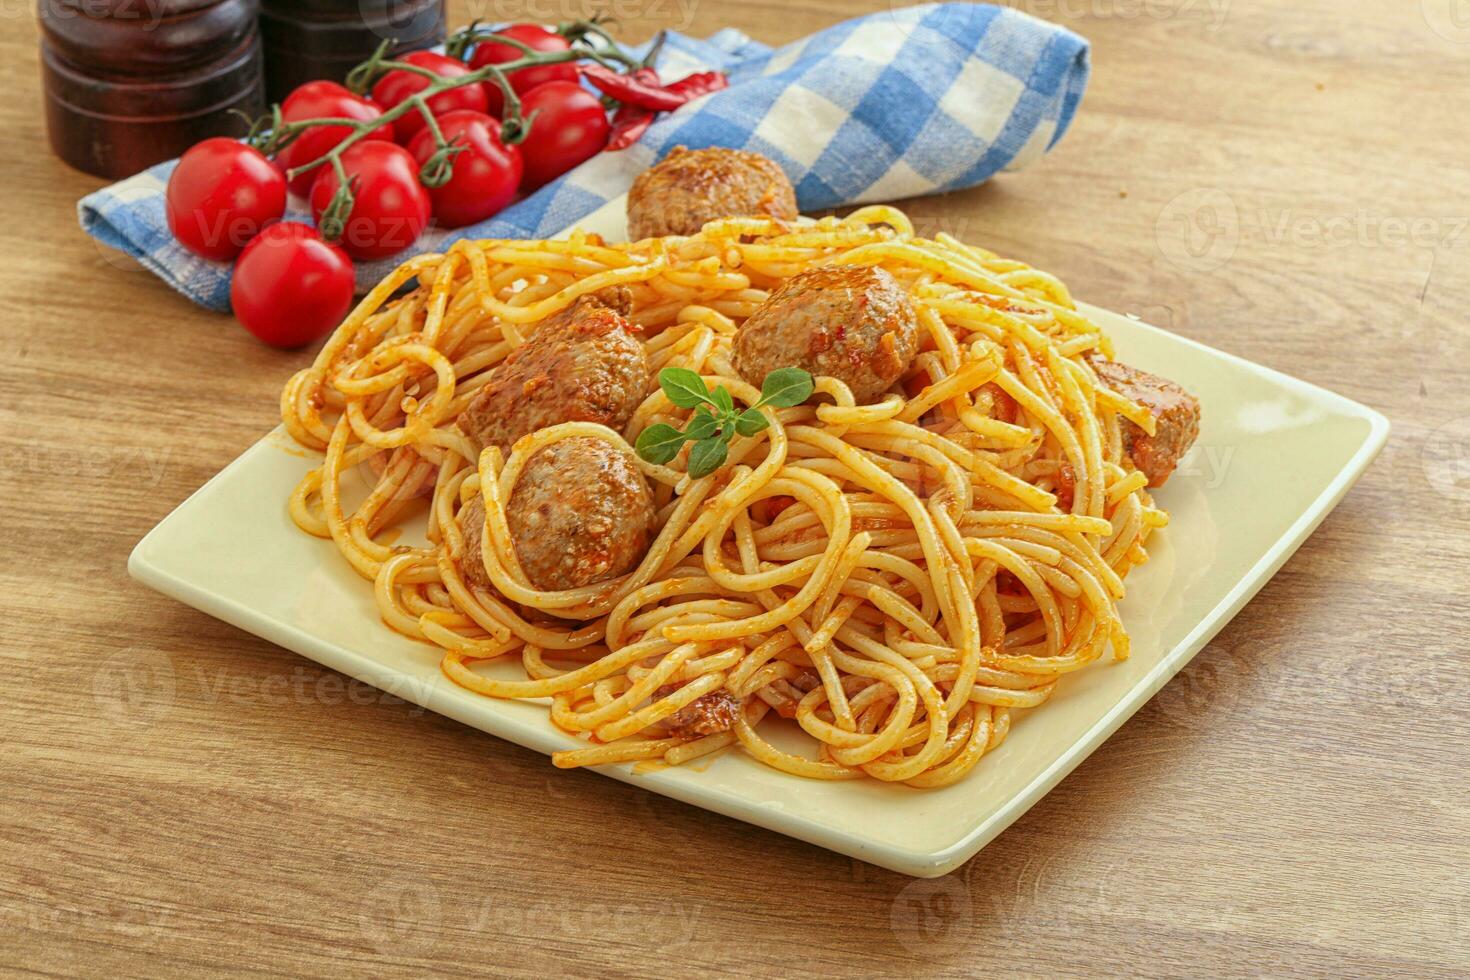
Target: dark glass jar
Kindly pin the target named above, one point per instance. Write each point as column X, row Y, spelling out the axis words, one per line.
column 306, row 40
column 131, row 83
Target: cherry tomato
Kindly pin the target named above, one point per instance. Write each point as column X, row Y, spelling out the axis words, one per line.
column 569, row 127
column 322, row 100
column 486, row 174
column 290, row 287
column 398, row 85
column 390, row 207
column 522, row 80
column 221, row 194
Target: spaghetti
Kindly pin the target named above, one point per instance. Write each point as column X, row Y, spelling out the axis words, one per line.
column 893, row 578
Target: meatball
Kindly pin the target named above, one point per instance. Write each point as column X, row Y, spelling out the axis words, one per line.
column 580, row 513
column 851, row 322
column 1176, row 417
column 690, row 187
column 471, row 562
column 710, row 714
column 583, row 364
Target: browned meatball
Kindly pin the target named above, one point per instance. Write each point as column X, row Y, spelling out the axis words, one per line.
column 853, row 323
column 1176, row 418
column 471, row 561
column 580, row 513
column 583, row 364
column 690, row 187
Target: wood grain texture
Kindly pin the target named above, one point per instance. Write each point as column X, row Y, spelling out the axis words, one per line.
column 1283, row 181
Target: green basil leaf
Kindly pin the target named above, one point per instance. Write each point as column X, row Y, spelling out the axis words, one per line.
column 706, row 457
column 702, row 425
column 684, row 387
column 659, row 443
column 786, row 387
column 750, row 422
column 724, row 400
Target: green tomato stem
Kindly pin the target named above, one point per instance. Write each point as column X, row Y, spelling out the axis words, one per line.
column 513, row 126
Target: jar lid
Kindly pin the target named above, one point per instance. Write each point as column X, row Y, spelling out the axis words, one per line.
column 148, row 11
column 408, row 24
column 341, row 9
column 145, row 38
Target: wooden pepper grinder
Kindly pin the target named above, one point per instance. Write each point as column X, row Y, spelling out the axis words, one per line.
column 307, row 40
column 130, row 83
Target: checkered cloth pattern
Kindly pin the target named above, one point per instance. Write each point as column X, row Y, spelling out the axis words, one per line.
column 916, row 100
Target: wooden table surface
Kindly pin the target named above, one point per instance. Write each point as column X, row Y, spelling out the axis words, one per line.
column 1286, row 182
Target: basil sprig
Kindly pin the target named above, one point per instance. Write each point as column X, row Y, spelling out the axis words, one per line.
column 715, row 420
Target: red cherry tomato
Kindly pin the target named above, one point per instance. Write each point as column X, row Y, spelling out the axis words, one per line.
column 398, row 85
column 322, row 100
column 486, row 174
column 290, row 287
column 221, row 194
column 569, row 127
column 390, row 207
column 522, row 80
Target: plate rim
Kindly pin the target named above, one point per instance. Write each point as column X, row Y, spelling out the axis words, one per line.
column 916, row 862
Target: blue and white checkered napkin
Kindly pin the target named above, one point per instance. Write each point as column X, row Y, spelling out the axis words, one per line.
column 912, row 101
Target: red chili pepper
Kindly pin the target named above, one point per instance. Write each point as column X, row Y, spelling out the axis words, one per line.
column 632, row 119
column 640, row 89
column 700, row 83
column 629, row 124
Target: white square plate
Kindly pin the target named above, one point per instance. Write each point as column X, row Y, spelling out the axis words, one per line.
column 1275, row 455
